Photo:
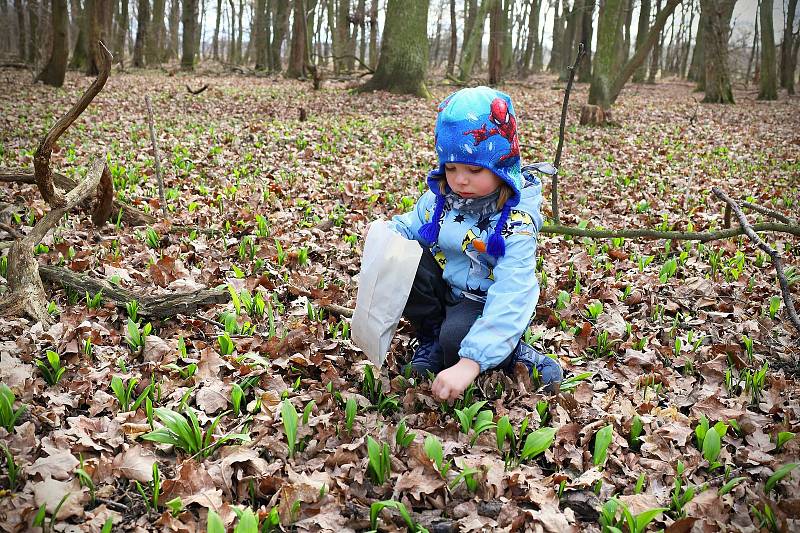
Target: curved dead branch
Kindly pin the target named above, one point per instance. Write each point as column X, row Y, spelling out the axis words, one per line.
column 41, row 160
column 705, row 236
column 773, row 254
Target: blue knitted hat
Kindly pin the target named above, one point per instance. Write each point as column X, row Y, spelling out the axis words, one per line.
column 477, row 126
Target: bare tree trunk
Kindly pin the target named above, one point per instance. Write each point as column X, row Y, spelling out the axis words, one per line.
column 373, row 33
column 199, row 33
column 788, row 61
column 717, row 30
column 768, row 88
column 568, row 38
column 280, row 24
column 585, row 68
column 261, row 34
column 453, row 50
column 471, row 48
column 122, row 31
column 173, row 50
column 297, row 51
column 437, row 39
column 641, row 33
column 753, row 50
column 53, row 72
column 98, row 15
column 20, row 10
column 558, row 31
column 155, row 44
column 361, row 17
column 626, row 41
column 688, row 44
column 33, row 31
column 533, row 37
column 697, row 68
column 404, row 49
column 495, row 60
column 240, row 33
column 215, row 41
column 189, row 21
column 142, row 29
column 655, row 55
column 538, row 51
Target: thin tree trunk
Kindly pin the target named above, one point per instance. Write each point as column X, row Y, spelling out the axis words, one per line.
column 373, row 33
column 451, row 53
column 215, row 41
column 495, row 60
column 198, row 31
column 361, row 17
column 261, row 34
column 173, row 49
column 753, row 50
column 688, row 44
column 768, row 88
column 568, row 39
column 538, row 51
column 437, row 39
column 788, row 60
column 585, row 68
column 232, row 33
column 626, row 41
column 471, row 47
column 20, row 10
column 33, row 31
column 154, row 46
column 641, row 33
column 189, row 21
column 295, row 68
column 558, row 31
column 697, row 69
column 533, row 37
column 53, row 72
column 122, row 31
column 240, row 33
column 655, row 55
column 280, row 27
column 142, row 28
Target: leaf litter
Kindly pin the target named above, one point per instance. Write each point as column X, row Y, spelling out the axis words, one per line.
column 682, row 333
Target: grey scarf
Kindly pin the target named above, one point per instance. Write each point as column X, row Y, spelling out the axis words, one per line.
column 485, row 205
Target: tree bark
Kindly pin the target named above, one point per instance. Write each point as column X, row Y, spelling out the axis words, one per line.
column 768, row 88
column 155, row 44
column 568, row 39
column 697, row 68
column 33, row 31
column 215, row 39
column 261, row 34
column 558, row 32
column 20, row 10
column 453, row 50
column 717, row 30
column 753, row 49
column 626, row 41
column 53, row 72
column 404, row 50
column 606, row 58
column 788, row 61
column 297, row 50
column 122, row 31
column 142, row 29
column 373, row 34
column 98, row 14
column 173, row 50
column 641, row 33
column 471, row 48
column 361, row 17
column 585, row 67
column 495, row 60
column 279, row 29
column 655, row 54
column 189, row 20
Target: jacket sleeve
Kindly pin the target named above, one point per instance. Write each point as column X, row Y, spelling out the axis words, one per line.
column 510, row 303
column 408, row 224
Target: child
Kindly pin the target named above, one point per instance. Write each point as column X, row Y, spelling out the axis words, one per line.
column 475, row 288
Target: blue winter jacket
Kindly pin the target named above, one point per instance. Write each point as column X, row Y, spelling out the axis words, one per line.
column 507, row 284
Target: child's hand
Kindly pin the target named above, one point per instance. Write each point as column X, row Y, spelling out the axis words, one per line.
column 451, row 382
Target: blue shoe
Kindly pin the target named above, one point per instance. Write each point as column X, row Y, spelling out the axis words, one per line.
column 428, row 356
column 550, row 373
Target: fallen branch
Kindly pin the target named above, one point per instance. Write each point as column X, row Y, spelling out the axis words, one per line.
column 557, row 161
column 198, row 91
column 26, row 292
column 130, row 215
column 157, row 157
column 157, row 306
column 774, row 255
column 332, row 308
column 780, row 217
column 41, row 160
column 673, row 235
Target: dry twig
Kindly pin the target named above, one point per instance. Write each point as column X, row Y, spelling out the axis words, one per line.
column 774, row 255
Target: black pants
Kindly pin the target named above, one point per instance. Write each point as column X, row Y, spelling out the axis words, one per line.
column 431, row 303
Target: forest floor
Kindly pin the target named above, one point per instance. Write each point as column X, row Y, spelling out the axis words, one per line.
column 682, row 395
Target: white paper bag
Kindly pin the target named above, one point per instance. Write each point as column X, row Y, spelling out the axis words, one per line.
column 388, row 266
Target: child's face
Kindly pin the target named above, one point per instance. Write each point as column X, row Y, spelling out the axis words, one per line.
column 469, row 181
